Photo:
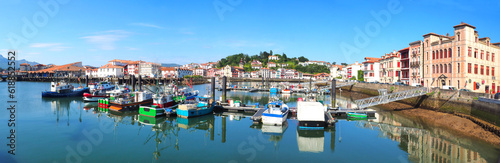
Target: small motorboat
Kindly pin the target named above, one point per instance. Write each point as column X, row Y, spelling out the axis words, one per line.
column 356, row 115
column 275, row 113
column 63, row 89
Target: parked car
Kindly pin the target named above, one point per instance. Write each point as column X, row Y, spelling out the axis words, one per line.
column 465, row 90
column 497, row 95
column 449, row 87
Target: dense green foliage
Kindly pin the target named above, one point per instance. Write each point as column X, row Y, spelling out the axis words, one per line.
column 312, row 69
column 361, row 75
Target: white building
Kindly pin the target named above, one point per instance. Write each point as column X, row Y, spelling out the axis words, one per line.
column 371, row 69
column 149, row 69
column 200, row 71
column 335, row 71
column 352, row 70
column 110, row 70
column 168, row 72
column 181, row 72
column 273, row 57
column 264, row 72
column 255, row 74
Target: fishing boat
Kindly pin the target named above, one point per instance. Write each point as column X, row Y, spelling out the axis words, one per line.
column 130, row 101
column 201, row 106
column 285, row 91
column 311, row 115
column 63, row 89
column 105, row 85
column 356, row 115
column 162, row 104
column 94, row 96
column 275, row 113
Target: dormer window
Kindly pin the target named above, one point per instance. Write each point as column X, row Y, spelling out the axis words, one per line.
column 476, row 38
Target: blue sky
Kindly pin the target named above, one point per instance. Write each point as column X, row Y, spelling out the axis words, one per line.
column 182, row 31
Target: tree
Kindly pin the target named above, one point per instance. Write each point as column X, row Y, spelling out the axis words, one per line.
column 344, row 64
column 334, row 63
column 271, row 52
column 303, row 59
column 284, row 57
column 361, row 76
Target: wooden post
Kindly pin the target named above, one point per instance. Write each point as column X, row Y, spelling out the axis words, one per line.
column 86, row 81
column 213, row 89
column 333, row 93
column 310, row 84
column 224, row 79
column 140, row 83
column 132, row 80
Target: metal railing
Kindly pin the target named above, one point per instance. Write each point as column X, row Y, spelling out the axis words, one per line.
column 384, row 98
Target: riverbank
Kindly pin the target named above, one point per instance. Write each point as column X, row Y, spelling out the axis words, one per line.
column 454, row 123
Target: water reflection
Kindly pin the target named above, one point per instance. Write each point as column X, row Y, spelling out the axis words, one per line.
column 427, row 145
column 61, row 107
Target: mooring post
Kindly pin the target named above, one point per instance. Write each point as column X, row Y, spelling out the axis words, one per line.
column 86, row 81
column 132, row 80
column 333, row 93
column 224, row 79
column 212, row 89
column 140, row 83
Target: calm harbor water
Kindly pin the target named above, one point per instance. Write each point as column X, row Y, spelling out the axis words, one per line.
column 68, row 130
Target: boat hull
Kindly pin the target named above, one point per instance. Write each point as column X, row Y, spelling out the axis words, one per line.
column 274, row 119
column 151, row 111
column 312, row 125
column 74, row 93
column 129, row 107
column 195, row 112
column 356, row 115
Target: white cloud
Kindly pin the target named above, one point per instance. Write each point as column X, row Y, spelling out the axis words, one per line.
column 132, row 48
column 50, row 46
column 146, row 25
column 106, row 40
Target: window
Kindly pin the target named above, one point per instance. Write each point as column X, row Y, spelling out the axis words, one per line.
column 493, row 57
column 449, row 68
column 371, row 67
column 487, row 56
column 475, row 53
column 475, row 68
column 433, row 55
column 441, row 68
column 449, row 52
column 482, row 69
column 470, row 68
column 487, row 70
column 445, row 53
column 399, row 64
column 445, row 69
column 458, row 68
column 492, row 71
column 441, row 53
column 470, row 52
column 482, row 54
column 433, row 69
column 458, row 36
column 458, row 50
column 476, row 38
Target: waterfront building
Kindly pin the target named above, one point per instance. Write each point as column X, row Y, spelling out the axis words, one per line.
column 371, row 69
column 335, row 71
column 73, row 70
column 168, row 72
column 200, row 71
column 416, row 63
column 181, row 72
column 110, row 70
column 149, row 69
column 273, row 57
column 254, row 74
column 464, row 60
column 390, row 67
column 322, row 76
column 405, row 65
column 352, row 70
column 25, row 67
column 91, row 72
column 212, row 72
column 264, row 72
column 322, row 63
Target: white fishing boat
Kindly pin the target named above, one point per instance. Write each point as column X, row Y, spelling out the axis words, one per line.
column 311, row 115
column 275, row 114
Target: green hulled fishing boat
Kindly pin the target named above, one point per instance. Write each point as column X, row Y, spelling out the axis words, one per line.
column 356, row 115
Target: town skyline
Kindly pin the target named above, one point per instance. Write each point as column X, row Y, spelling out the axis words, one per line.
column 167, row 32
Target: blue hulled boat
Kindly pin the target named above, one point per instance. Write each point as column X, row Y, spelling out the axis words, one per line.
column 63, row 89
column 195, row 108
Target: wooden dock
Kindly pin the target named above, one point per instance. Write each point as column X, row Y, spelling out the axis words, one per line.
column 257, row 117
